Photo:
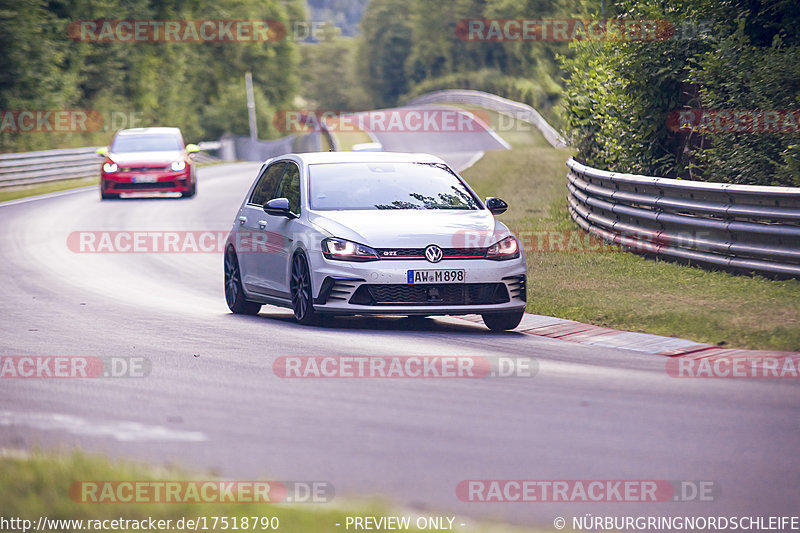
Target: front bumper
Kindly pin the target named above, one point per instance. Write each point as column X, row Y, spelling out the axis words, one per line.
column 381, row 287
column 162, row 181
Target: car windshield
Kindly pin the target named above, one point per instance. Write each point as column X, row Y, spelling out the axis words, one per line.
column 339, row 186
column 145, row 143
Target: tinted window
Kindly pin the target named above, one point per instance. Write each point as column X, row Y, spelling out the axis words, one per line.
column 267, row 183
column 146, row 143
column 290, row 187
column 387, row 186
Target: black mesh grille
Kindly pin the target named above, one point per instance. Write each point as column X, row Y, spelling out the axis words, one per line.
column 145, row 169
column 517, row 287
column 152, row 185
column 439, row 294
column 419, row 253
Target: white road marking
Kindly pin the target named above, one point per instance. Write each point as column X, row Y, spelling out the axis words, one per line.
column 48, row 195
column 121, row 430
column 475, row 158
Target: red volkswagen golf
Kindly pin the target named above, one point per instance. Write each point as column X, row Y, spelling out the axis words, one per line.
column 148, row 160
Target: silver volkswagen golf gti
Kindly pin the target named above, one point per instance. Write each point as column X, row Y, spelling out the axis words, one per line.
column 372, row 234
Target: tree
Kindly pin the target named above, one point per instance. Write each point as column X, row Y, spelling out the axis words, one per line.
column 387, row 43
column 330, row 74
column 619, row 94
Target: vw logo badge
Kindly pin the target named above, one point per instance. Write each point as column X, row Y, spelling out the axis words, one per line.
column 433, row 253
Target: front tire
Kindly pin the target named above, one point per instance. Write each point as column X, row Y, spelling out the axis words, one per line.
column 503, row 321
column 108, row 195
column 191, row 192
column 300, row 290
column 234, row 293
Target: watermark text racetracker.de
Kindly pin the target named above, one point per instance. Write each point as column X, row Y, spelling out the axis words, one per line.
column 14, row 121
column 404, row 367
column 586, row 490
column 734, row 120
column 171, row 241
column 575, row 29
column 400, row 120
column 78, row 366
column 735, row 367
column 176, row 31
column 205, row 491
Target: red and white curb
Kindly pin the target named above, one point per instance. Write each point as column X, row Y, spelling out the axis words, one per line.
column 572, row 331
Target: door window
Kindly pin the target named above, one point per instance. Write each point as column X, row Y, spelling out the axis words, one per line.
column 265, row 188
column 289, row 187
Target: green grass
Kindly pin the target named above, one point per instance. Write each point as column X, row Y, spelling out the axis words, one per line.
column 12, row 193
column 348, row 138
column 619, row 289
column 39, row 485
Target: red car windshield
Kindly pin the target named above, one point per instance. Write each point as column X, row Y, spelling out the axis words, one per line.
column 146, row 143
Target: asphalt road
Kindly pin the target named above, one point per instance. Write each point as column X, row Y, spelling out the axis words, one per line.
column 213, row 403
column 457, row 136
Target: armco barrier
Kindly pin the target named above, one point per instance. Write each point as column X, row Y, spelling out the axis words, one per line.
column 502, row 105
column 734, row 227
column 30, row 168
column 232, row 148
column 50, row 165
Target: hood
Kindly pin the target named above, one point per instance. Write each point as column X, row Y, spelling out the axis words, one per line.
column 125, row 158
column 413, row 228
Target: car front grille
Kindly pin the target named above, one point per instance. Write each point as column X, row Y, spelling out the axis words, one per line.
column 337, row 290
column 434, row 294
column 419, row 253
column 152, row 185
column 146, row 169
column 518, row 287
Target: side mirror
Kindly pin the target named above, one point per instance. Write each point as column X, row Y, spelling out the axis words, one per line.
column 279, row 207
column 192, row 148
column 102, row 151
column 496, row 206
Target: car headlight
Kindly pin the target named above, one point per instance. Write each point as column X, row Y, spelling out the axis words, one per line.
column 342, row 250
column 178, row 165
column 110, row 166
column 503, row 250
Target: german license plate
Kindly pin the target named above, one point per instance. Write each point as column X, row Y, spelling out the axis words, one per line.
column 416, row 277
column 144, row 179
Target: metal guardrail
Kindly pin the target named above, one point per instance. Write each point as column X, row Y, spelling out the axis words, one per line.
column 496, row 103
column 30, row 168
column 233, row 148
column 203, row 158
column 733, row 227
column 50, row 165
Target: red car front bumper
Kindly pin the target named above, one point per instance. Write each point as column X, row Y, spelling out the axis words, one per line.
column 149, row 181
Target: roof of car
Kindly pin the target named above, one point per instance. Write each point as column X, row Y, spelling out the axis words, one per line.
column 149, row 131
column 312, row 158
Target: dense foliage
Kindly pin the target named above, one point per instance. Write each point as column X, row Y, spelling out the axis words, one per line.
column 198, row 87
column 414, row 46
column 344, row 14
column 620, row 94
column 617, row 98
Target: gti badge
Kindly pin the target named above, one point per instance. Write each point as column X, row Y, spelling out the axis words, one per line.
column 433, row 253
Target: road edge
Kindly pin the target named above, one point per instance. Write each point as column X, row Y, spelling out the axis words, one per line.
column 647, row 343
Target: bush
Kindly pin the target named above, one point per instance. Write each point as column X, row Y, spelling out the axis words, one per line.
column 619, row 94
